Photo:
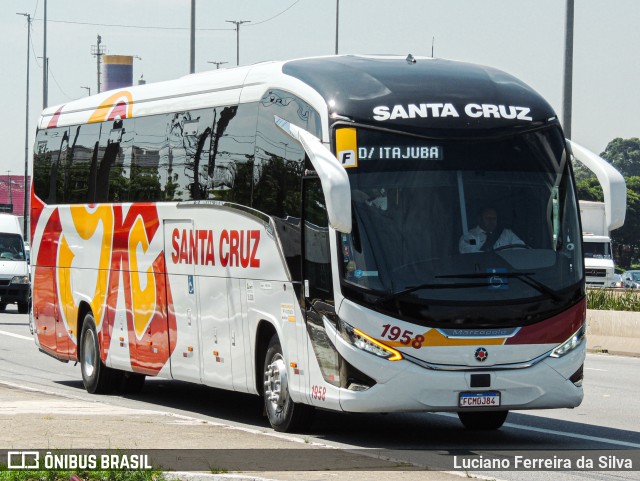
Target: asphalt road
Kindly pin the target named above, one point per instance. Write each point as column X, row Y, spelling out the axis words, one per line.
column 608, row 419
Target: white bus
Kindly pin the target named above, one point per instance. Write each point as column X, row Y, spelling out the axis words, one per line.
column 293, row 230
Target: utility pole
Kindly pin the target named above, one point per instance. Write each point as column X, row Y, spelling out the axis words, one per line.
column 337, row 17
column 26, row 135
column 217, row 64
column 237, row 24
column 45, row 68
column 567, row 93
column 98, row 51
column 193, row 37
column 10, row 192
column 45, row 73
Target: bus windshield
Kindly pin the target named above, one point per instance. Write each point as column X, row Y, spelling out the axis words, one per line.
column 443, row 224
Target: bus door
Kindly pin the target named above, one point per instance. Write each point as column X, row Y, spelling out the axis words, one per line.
column 180, row 272
column 215, row 327
column 237, row 298
column 318, row 297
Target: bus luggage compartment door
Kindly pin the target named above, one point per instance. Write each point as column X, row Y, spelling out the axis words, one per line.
column 45, row 307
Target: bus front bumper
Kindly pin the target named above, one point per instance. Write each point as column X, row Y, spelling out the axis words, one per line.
column 406, row 386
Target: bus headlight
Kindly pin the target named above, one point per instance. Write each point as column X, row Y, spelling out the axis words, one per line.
column 20, row 280
column 570, row 344
column 367, row 343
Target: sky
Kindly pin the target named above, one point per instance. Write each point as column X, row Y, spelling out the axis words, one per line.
column 522, row 37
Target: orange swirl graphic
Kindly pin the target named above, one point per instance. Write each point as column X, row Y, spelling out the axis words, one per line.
column 117, row 105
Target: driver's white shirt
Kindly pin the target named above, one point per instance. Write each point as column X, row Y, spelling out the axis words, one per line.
column 466, row 244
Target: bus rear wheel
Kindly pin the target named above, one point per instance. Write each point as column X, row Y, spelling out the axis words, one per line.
column 483, row 420
column 284, row 415
column 97, row 378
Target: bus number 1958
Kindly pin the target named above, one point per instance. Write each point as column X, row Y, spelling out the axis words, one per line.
column 393, row 333
column 319, row 393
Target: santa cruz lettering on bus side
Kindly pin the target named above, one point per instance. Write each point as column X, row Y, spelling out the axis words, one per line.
column 236, row 248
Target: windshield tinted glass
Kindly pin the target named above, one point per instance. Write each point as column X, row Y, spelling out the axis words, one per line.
column 450, row 222
column 11, row 247
column 596, row 250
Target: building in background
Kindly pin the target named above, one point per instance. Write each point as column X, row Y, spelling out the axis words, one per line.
column 12, row 193
column 12, row 196
column 117, row 71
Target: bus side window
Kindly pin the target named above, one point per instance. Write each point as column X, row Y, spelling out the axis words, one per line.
column 317, row 254
column 277, row 172
column 109, row 178
column 229, row 164
column 51, row 151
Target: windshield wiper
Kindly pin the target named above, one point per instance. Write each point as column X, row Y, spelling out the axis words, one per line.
column 427, row 285
column 523, row 276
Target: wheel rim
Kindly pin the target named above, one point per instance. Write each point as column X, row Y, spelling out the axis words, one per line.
column 89, row 356
column 276, row 386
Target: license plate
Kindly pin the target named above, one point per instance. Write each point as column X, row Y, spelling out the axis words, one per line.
column 479, row 399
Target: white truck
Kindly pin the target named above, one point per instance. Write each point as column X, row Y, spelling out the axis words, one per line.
column 596, row 244
column 14, row 267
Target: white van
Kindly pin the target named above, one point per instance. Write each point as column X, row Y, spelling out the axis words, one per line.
column 14, row 267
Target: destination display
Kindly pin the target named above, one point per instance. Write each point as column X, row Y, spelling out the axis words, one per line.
column 428, row 152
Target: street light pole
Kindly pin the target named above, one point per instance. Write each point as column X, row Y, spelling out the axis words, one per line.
column 568, row 71
column 192, row 67
column 217, row 64
column 337, row 17
column 26, row 135
column 45, row 80
column 98, row 50
column 237, row 24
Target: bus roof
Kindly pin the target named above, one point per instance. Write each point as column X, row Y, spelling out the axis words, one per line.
column 422, row 93
column 397, row 92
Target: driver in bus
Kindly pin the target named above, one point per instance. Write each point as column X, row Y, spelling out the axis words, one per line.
column 487, row 235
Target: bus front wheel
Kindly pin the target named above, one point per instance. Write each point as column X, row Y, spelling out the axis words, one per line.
column 486, row 420
column 97, row 378
column 284, row 415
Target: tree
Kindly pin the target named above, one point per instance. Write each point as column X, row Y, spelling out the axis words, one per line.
column 589, row 189
column 626, row 239
column 624, row 155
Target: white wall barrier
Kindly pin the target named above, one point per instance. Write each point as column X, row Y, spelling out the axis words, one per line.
column 613, row 332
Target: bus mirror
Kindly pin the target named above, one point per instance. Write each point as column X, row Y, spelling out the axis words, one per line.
column 613, row 184
column 333, row 176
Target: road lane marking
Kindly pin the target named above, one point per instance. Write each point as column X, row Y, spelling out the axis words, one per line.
column 17, row 336
column 573, row 435
column 595, row 369
column 558, row 433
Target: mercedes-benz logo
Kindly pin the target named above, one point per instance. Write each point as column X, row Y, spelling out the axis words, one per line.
column 481, row 354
